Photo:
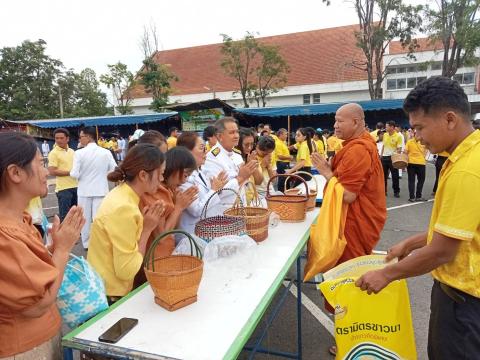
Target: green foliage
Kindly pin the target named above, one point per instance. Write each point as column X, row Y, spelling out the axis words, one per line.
column 120, row 80
column 259, row 68
column 30, row 82
column 156, row 79
column 456, row 25
column 380, row 22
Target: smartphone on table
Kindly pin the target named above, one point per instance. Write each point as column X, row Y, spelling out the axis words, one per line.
column 118, row 330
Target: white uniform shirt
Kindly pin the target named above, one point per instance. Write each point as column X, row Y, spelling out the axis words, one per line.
column 91, row 166
column 218, row 160
column 45, row 149
column 192, row 214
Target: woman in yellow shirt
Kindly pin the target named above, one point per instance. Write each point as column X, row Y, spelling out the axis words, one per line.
column 318, row 139
column 120, row 231
column 304, row 148
column 416, row 168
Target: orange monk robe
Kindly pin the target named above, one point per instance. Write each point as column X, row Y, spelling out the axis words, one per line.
column 358, row 168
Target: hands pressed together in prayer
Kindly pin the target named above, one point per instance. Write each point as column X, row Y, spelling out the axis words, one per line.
column 322, row 165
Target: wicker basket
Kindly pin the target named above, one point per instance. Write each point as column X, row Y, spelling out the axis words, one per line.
column 174, row 279
column 209, row 228
column 399, row 161
column 290, row 208
column 312, row 194
column 256, row 217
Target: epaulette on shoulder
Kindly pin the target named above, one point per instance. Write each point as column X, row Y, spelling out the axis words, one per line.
column 237, row 151
column 215, row 151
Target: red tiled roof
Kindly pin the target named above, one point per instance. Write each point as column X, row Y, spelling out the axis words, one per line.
column 425, row 45
column 315, row 57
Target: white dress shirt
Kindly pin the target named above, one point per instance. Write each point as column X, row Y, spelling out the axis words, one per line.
column 192, row 214
column 91, row 166
column 228, row 161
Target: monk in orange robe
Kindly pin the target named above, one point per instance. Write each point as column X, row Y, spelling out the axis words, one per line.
column 358, row 168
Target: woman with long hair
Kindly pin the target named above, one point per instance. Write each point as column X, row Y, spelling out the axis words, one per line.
column 246, row 144
column 30, row 277
column 120, row 231
column 305, row 149
column 206, row 187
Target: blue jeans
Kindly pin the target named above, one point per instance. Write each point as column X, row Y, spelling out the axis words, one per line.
column 66, row 199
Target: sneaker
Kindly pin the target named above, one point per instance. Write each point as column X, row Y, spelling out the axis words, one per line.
column 420, row 199
column 397, row 195
column 411, row 200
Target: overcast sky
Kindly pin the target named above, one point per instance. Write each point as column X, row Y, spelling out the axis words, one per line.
column 93, row 34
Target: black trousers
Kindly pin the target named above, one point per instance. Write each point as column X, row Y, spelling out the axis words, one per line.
column 388, row 167
column 281, row 167
column 438, row 167
column 415, row 171
column 454, row 329
column 66, row 199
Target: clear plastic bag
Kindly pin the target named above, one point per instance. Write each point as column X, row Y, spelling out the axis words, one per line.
column 227, row 246
column 184, row 247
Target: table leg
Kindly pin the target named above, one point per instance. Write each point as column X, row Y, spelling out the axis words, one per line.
column 67, row 353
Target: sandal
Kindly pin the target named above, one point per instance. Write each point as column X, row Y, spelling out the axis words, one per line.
column 333, row 350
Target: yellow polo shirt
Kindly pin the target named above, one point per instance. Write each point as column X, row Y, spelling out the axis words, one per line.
column 320, row 146
column 281, row 148
column 416, row 152
column 62, row 160
column 303, row 153
column 171, row 142
column 113, row 247
column 455, row 214
column 443, row 153
column 391, row 143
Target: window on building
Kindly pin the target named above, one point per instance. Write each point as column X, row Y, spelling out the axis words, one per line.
column 401, row 83
column 391, row 70
column 411, row 82
column 306, row 99
column 412, row 68
column 437, row 65
column 391, row 84
column 316, row 98
column 468, row 78
column 401, row 70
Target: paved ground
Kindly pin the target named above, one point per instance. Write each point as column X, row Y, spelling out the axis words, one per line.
column 402, row 221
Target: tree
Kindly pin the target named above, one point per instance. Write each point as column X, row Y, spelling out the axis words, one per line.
column 396, row 20
column 155, row 77
column 120, row 80
column 259, row 68
column 455, row 24
column 28, row 80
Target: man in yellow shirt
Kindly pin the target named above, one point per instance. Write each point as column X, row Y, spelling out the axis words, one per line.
column 60, row 163
column 283, row 157
column 416, row 168
column 439, row 111
column 392, row 143
column 172, row 139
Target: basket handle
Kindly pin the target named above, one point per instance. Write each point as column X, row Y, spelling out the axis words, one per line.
column 267, row 195
column 305, row 173
column 150, row 255
column 203, row 215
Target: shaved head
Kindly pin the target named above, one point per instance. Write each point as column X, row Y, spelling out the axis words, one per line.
column 349, row 121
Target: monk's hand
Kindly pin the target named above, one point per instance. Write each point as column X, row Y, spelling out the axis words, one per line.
column 322, row 165
column 373, row 281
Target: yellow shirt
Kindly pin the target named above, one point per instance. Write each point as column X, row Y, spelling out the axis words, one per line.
column 171, row 142
column 455, row 214
column 262, row 188
column 320, row 146
column 374, row 134
column 113, row 248
column 303, row 153
column 391, row 143
column 334, row 144
column 443, row 153
column 416, row 152
column 62, row 160
column 281, row 148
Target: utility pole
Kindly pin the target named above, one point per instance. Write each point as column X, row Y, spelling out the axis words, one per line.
column 60, row 100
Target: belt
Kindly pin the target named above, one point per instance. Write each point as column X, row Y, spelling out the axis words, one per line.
column 452, row 293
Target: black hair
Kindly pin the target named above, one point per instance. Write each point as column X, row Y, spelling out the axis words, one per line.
column 209, row 132
column 179, row 159
column 146, row 157
column 245, row 132
column 61, row 131
column 15, row 149
column 91, row 131
column 380, row 125
column 172, row 129
column 311, row 131
column 391, row 123
column 435, row 93
column 260, row 126
column 281, row 131
column 264, row 133
column 266, row 143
